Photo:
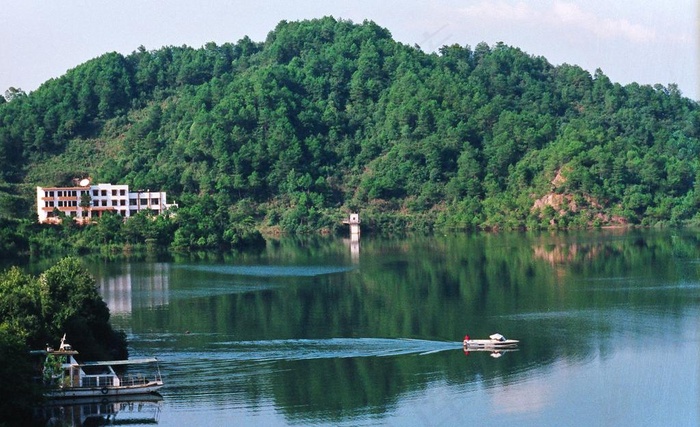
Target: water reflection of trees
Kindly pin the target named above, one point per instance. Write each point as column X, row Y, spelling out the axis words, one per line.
column 566, row 296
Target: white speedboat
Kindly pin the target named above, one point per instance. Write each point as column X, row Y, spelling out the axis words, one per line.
column 495, row 341
column 66, row 378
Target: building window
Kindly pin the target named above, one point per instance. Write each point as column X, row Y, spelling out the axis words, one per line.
column 122, row 192
column 104, row 193
column 114, row 192
column 155, row 201
column 122, row 202
column 144, row 202
column 132, row 202
column 104, row 203
column 95, row 193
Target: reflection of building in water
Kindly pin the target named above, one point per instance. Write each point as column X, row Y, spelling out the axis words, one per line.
column 355, row 246
column 354, row 243
column 145, row 285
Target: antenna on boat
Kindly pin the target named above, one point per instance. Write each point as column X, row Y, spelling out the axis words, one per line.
column 64, row 346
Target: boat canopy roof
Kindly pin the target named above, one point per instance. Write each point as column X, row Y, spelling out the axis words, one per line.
column 120, row 362
column 497, row 337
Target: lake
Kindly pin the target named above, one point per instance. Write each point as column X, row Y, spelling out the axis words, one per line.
column 331, row 332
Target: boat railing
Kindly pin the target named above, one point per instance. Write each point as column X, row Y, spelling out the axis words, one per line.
column 137, row 379
column 97, row 381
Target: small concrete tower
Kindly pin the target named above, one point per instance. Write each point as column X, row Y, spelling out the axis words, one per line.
column 354, row 222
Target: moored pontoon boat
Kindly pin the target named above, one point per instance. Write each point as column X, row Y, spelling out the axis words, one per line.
column 66, row 378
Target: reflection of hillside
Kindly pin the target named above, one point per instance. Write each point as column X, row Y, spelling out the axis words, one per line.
column 567, row 253
column 138, row 286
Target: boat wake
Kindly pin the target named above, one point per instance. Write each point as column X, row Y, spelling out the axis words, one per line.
column 269, row 270
column 307, row 349
column 331, row 348
column 221, row 370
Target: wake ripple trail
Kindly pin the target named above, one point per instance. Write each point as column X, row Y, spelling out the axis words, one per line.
column 306, row 349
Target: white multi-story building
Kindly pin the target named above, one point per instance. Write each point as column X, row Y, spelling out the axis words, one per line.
column 90, row 201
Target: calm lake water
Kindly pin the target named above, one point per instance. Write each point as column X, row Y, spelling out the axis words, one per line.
column 325, row 332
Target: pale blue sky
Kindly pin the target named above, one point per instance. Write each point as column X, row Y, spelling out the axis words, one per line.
column 644, row 41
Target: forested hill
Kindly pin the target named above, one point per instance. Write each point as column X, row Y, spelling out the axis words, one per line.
column 326, row 117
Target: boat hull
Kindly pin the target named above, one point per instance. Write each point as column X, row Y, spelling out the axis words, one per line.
column 490, row 344
column 154, row 397
column 107, row 391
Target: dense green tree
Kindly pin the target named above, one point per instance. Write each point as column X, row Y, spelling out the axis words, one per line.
column 20, row 305
column 18, row 392
column 108, row 227
column 71, row 304
column 62, row 300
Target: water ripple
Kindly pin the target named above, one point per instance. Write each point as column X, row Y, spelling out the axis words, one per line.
column 305, row 349
column 269, row 270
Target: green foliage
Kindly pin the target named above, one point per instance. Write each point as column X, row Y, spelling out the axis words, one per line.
column 18, row 394
column 20, row 305
column 11, row 241
column 64, row 299
column 325, row 115
column 203, row 223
